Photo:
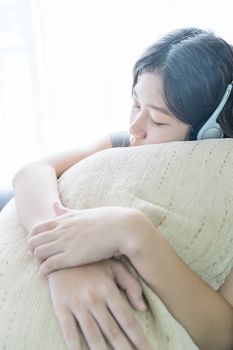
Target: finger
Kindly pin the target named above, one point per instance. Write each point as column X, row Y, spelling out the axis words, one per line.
column 43, row 227
column 91, row 331
column 129, row 284
column 47, row 250
column 110, row 328
column 128, row 323
column 68, row 328
column 53, row 263
column 42, row 238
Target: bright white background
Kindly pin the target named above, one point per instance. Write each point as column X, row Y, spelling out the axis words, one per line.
column 66, row 67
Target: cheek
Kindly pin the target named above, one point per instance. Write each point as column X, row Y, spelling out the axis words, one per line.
column 157, row 135
column 183, row 132
column 165, row 134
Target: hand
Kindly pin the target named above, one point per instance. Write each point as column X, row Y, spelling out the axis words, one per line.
column 101, row 312
column 79, row 237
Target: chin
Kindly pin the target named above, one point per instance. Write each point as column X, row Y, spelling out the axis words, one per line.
column 135, row 144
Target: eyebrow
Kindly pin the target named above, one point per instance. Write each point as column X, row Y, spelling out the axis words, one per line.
column 160, row 109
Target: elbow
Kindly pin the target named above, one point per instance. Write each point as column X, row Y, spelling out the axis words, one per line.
column 30, row 171
column 18, row 175
column 21, row 174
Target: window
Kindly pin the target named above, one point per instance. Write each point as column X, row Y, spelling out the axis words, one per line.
column 66, row 67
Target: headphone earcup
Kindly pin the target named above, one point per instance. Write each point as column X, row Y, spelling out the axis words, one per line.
column 211, row 129
column 211, row 133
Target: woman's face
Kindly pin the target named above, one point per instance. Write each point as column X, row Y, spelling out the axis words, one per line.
column 151, row 122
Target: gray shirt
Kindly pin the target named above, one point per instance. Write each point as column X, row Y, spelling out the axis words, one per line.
column 120, row 139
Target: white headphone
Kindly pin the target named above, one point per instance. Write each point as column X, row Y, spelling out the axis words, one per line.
column 211, row 129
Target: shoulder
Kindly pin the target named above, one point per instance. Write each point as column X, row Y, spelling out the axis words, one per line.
column 120, row 138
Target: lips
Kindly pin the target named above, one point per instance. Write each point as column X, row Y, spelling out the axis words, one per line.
column 134, row 143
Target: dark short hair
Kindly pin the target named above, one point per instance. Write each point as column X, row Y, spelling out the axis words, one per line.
column 196, row 66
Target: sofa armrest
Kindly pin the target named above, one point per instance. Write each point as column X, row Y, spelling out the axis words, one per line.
column 5, row 195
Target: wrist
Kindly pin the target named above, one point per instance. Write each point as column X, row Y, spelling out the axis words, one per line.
column 139, row 236
column 147, row 249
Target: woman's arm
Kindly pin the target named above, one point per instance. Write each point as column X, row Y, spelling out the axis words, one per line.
column 207, row 316
column 81, row 237
column 35, row 185
column 100, row 312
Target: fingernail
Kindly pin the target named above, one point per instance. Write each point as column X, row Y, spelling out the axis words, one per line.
column 142, row 304
column 143, row 307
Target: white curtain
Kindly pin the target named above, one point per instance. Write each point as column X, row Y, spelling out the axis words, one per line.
column 66, row 67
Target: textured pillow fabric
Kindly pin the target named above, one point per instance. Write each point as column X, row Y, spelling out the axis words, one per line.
column 183, row 187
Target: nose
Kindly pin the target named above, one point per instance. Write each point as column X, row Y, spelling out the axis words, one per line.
column 138, row 127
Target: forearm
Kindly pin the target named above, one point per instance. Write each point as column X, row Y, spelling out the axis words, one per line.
column 205, row 314
column 100, row 233
column 35, row 188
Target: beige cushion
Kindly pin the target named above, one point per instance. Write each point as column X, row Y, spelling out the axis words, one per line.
column 183, row 187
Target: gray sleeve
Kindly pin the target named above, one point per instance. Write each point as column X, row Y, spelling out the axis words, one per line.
column 120, row 139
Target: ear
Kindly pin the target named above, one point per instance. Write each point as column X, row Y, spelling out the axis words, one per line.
column 59, row 209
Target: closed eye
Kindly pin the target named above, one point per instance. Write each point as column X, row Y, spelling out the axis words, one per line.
column 135, row 106
column 158, row 124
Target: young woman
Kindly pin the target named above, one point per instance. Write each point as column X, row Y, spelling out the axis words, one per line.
column 180, row 83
